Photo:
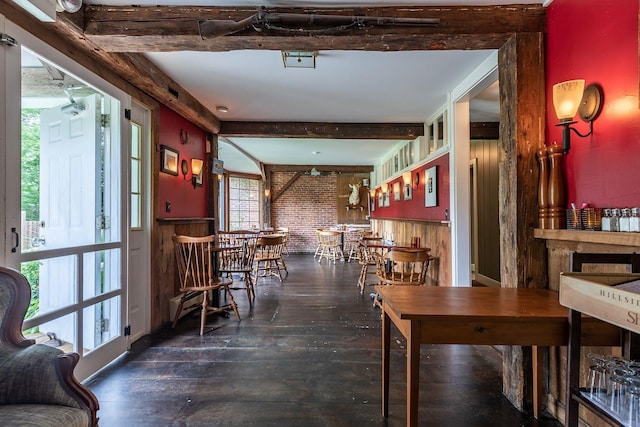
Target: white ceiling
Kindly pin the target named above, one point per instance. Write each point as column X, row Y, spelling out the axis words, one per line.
column 345, row 86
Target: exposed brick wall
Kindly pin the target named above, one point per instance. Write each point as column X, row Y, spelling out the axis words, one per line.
column 309, row 203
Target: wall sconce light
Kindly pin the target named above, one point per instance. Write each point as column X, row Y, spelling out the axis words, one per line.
column 385, row 188
column 267, row 193
column 573, row 97
column 372, row 193
column 196, row 168
column 406, row 177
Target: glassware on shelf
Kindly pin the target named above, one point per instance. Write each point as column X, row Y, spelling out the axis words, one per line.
column 597, row 377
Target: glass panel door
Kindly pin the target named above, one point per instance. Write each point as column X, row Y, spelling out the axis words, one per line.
column 71, row 241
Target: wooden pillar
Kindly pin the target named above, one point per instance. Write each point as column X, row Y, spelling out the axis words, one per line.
column 523, row 258
column 213, row 199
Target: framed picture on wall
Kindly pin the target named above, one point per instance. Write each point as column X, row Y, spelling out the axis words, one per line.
column 396, row 191
column 372, row 204
column 380, row 199
column 199, row 178
column 386, row 197
column 169, row 157
column 431, row 187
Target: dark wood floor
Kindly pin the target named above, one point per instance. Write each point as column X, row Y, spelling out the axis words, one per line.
column 308, row 354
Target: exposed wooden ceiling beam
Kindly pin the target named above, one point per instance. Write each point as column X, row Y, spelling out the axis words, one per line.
column 132, row 73
column 398, row 131
column 171, row 28
column 320, row 168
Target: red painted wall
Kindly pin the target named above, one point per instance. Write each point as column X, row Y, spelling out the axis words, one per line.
column 186, row 202
column 597, row 40
column 414, row 208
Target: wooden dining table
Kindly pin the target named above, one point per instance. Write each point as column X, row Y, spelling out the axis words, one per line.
column 480, row 316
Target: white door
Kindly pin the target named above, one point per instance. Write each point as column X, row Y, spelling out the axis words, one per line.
column 139, row 224
column 67, row 201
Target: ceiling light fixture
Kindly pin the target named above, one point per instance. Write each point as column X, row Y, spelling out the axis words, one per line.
column 222, row 109
column 299, row 59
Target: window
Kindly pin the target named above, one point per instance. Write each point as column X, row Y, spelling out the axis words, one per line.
column 136, row 176
column 244, row 203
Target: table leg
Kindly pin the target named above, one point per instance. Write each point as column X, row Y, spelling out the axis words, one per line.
column 386, row 341
column 537, row 353
column 413, row 373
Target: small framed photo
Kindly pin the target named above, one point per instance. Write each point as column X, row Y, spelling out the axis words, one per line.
column 199, row 178
column 380, row 199
column 387, row 197
column 169, row 158
column 408, row 194
column 431, row 187
column 372, row 203
column 396, row 191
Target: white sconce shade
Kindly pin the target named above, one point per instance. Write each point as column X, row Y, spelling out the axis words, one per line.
column 406, row 177
column 566, row 98
column 385, row 188
column 196, row 166
column 372, row 193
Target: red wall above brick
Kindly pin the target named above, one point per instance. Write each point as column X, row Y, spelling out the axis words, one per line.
column 415, row 208
column 186, row 202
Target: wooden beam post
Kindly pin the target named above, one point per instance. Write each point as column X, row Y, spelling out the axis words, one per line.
column 523, row 258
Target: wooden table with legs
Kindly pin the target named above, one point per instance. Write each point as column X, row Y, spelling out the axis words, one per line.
column 480, row 316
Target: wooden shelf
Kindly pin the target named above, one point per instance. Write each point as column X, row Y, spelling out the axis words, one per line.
column 602, row 237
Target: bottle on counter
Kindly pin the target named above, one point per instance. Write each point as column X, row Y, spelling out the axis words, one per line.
column 624, row 223
column 634, row 221
column 606, row 220
column 615, row 219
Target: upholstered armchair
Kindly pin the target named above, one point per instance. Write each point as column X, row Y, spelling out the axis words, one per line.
column 37, row 386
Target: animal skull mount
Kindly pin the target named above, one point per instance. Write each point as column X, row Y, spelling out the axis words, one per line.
column 354, row 197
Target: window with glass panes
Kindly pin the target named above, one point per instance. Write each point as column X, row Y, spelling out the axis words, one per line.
column 244, row 203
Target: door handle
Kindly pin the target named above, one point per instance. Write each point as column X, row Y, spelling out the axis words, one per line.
column 16, row 235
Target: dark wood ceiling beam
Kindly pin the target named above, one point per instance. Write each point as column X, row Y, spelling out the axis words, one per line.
column 397, row 131
column 170, row 28
column 320, row 168
column 132, row 73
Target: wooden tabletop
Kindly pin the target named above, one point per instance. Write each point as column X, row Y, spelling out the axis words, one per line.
column 435, row 301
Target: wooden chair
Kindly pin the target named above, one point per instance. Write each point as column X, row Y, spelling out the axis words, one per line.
column 268, row 258
column 401, row 267
column 352, row 244
column 239, row 261
column 195, row 261
column 366, row 260
column 285, row 232
column 319, row 247
column 37, row 384
column 331, row 245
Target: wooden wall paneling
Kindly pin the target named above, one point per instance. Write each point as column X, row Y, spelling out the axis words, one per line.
column 523, row 261
column 351, row 216
column 434, row 235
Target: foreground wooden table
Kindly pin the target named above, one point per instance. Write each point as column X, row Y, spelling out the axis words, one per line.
column 481, row 316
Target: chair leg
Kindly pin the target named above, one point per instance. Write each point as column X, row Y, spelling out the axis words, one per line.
column 233, row 303
column 203, row 315
column 251, row 294
column 178, row 311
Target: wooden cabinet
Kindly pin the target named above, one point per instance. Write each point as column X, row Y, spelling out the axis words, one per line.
column 598, row 296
